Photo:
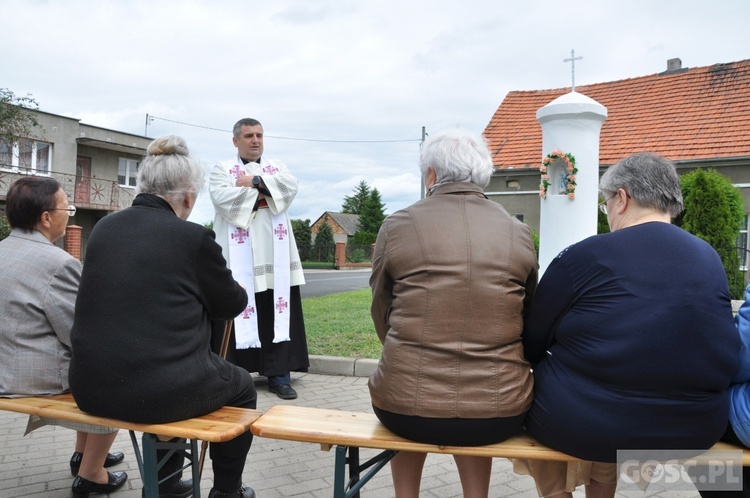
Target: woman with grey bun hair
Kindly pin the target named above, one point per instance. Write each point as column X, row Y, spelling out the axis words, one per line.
column 152, row 284
column 168, row 171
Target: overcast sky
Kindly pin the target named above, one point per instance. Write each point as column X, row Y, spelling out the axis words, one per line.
column 342, row 87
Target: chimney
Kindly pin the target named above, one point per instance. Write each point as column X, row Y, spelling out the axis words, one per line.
column 674, row 64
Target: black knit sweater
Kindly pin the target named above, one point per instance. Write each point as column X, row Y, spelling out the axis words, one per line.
column 151, row 285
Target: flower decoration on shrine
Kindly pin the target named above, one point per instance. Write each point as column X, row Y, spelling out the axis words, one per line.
column 567, row 175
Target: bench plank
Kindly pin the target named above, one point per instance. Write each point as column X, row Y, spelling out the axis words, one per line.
column 221, row 425
column 364, row 430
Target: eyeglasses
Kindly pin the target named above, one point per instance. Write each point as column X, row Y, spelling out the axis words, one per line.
column 603, row 204
column 70, row 209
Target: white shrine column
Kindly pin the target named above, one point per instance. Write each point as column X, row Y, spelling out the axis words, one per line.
column 570, row 123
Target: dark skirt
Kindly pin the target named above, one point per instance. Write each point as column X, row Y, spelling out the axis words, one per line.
column 451, row 431
column 270, row 359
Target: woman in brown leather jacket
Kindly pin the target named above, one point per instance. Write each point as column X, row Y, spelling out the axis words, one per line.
column 452, row 277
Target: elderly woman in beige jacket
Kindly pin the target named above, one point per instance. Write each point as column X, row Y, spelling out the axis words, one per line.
column 452, row 277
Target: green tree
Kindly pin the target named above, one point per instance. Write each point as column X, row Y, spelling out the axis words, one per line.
column 353, row 203
column 4, row 226
column 714, row 211
column 535, row 241
column 303, row 235
column 361, row 238
column 324, row 243
column 602, row 225
column 372, row 214
column 209, row 224
column 15, row 119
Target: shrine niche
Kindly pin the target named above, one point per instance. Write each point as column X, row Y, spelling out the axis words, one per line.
column 558, row 175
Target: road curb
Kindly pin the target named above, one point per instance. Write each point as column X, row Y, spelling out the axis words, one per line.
column 334, row 365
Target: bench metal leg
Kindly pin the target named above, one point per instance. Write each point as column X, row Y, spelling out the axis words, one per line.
column 149, row 466
column 150, row 471
column 353, row 469
column 350, row 489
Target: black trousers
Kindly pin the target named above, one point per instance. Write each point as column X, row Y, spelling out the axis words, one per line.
column 228, row 458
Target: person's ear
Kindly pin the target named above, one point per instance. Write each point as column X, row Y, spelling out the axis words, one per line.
column 622, row 200
column 430, row 178
column 46, row 219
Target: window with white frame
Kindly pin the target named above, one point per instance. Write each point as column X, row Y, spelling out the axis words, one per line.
column 27, row 155
column 6, row 155
column 742, row 245
column 127, row 171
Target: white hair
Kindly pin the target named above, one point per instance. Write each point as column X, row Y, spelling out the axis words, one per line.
column 169, row 170
column 457, row 155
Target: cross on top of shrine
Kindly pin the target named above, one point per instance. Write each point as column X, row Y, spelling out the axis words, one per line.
column 572, row 59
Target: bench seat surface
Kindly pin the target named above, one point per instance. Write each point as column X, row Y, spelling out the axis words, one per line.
column 364, row 430
column 221, row 425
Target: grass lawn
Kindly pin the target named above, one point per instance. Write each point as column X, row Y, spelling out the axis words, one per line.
column 314, row 265
column 340, row 325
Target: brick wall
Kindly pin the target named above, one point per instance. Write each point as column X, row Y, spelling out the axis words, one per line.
column 73, row 240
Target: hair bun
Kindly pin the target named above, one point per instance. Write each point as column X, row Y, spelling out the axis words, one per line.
column 171, row 144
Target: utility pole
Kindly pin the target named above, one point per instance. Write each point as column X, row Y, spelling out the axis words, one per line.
column 421, row 181
column 149, row 119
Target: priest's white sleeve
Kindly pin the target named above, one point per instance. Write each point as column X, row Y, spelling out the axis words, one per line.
column 234, row 204
column 282, row 186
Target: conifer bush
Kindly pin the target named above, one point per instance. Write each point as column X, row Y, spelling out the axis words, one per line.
column 714, row 211
column 324, row 243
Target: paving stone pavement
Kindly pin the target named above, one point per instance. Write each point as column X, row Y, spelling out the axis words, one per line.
column 37, row 465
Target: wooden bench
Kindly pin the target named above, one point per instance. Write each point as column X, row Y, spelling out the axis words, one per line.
column 222, row 425
column 349, row 431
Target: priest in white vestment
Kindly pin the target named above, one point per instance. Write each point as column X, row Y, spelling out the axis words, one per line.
column 251, row 195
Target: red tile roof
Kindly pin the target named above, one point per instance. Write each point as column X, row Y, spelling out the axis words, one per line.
column 687, row 114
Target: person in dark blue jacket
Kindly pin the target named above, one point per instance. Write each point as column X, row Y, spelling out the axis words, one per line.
column 630, row 336
column 739, row 392
column 738, row 428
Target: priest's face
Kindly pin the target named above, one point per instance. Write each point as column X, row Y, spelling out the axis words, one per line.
column 250, row 142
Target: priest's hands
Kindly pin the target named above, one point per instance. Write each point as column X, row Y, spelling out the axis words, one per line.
column 245, row 181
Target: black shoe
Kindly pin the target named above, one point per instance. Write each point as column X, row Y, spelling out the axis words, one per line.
column 112, row 459
column 181, row 488
column 283, row 391
column 84, row 487
column 243, row 492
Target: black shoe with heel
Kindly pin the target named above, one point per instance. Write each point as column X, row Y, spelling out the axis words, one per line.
column 84, row 487
column 243, row 492
column 112, row 459
column 180, row 488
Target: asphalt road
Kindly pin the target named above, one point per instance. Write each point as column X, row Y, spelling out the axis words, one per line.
column 324, row 282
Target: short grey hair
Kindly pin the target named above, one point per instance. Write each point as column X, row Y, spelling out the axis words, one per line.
column 649, row 179
column 244, row 122
column 457, row 156
column 168, row 169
